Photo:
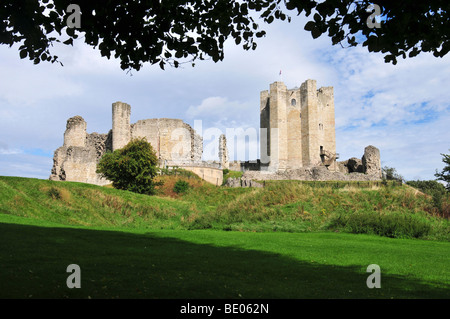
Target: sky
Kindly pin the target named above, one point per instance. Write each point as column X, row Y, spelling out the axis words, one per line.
column 403, row 109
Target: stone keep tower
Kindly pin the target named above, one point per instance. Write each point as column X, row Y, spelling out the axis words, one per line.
column 297, row 126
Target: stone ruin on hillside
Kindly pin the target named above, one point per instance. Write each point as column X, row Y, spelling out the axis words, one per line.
column 297, row 141
column 175, row 143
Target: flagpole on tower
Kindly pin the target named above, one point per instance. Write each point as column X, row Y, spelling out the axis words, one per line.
column 281, row 77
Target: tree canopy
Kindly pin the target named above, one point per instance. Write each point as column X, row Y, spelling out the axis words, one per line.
column 445, row 174
column 132, row 167
column 391, row 174
column 179, row 31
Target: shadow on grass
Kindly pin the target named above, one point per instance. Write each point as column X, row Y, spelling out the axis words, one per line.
column 125, row 265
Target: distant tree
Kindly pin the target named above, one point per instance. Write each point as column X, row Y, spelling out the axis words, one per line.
column 445, row 174
column 390, row 173
column 132, row 167
column 174, row 32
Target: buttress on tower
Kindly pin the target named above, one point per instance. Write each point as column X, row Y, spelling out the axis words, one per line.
column 297, row 127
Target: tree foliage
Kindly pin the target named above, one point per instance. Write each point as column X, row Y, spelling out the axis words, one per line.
column 180, row 31
column 391, row 174
column 181, row 186
column 445, row 174
column 132, row 167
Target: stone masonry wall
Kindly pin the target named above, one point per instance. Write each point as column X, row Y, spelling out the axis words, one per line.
column 297, row 126
column 174, row 141
column 77, row 159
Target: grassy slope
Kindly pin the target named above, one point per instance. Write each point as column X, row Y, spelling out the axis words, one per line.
column 127, row 256
column 286, row 206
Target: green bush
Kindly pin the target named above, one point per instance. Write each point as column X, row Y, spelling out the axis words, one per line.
column 131, row 168
column 391, row 174
column 181, row 187
column 54, row 193
column 395, row 225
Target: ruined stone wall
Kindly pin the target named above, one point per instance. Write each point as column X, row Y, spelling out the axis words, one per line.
column 315, row 173
column 369, row 163
column 196, row 146
column 235, row 166
column 174, row 142
column 223, row 152
column 75, row 134
column 76, row 160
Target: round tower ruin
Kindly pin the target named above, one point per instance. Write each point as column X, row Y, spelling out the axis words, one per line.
column 75, row 134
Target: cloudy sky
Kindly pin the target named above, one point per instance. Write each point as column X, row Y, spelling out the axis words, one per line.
column 404, row 110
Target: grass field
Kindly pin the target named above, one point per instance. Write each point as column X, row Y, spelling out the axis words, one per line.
column 286, row 241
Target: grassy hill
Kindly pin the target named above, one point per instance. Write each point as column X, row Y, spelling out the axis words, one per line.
column 288, row 240
column 289, row 206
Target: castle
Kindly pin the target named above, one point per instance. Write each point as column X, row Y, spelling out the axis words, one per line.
column 297, row 141
column 297, row 126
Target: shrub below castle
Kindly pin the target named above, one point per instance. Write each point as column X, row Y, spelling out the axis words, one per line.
column 181, row 187
column 131, row 168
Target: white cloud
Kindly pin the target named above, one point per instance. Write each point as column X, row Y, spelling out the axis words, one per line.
column 7, row 151
column 373, row 92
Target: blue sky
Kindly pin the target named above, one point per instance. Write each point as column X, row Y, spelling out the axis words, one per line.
column 404, row 110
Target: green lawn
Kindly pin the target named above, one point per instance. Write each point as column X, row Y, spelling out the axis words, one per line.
column 214, row 264
column 287, row 240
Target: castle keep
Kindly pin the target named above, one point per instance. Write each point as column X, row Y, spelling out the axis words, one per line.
column 298, row 139
column 297, row 126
